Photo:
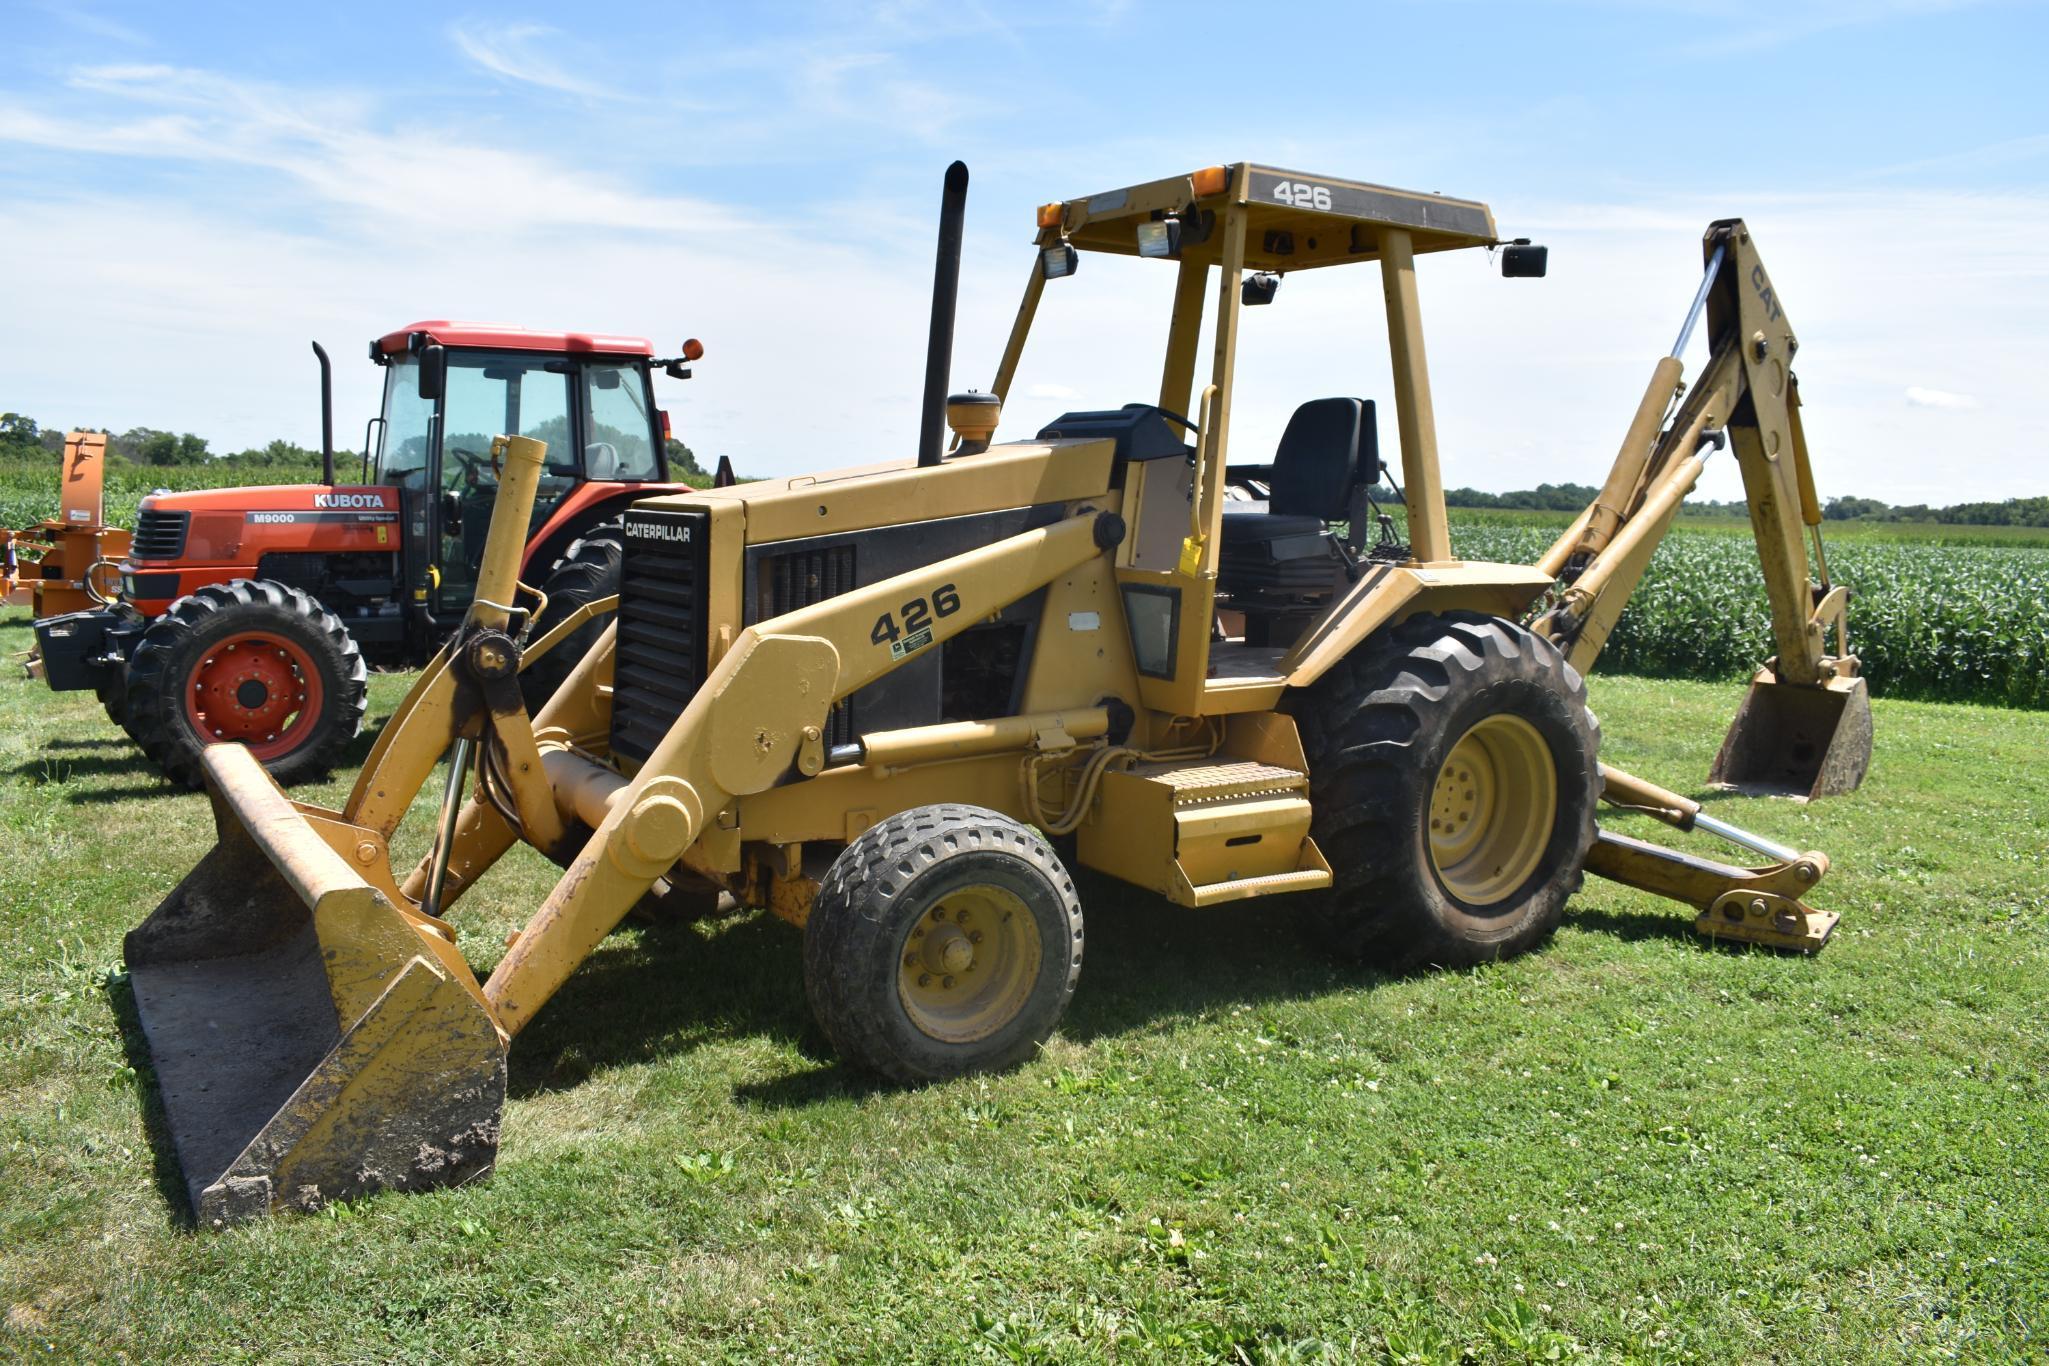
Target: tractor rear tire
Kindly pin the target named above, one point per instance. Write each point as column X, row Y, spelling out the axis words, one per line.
column 587, row 571
column 254, row 661
column 1454, row 776
column 945, row 940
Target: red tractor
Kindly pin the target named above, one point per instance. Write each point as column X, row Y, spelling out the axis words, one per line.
column 249, row 614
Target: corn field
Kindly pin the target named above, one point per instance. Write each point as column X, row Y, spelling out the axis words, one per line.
column 1946, row 623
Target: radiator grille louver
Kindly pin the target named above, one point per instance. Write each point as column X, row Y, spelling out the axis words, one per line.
column 159, row 535
column 802, row 578
column 660, row 661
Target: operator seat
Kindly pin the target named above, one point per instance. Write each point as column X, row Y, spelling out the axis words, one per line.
column 1281, row 550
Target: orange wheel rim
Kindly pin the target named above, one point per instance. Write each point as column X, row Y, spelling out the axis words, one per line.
column 257, row 689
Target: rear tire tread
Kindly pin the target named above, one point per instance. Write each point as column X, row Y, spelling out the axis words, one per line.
column 1371, row 726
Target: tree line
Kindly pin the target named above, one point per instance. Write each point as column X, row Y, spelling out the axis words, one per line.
column 22, row 437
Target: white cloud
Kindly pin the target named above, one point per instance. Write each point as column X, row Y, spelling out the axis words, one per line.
column 1917, row 397
column 525, row 52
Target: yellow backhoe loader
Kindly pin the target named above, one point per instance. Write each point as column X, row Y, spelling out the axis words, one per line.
column 873, row 700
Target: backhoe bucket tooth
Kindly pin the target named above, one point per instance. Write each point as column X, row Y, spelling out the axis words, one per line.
column 312, row 1041
column 1797, row 740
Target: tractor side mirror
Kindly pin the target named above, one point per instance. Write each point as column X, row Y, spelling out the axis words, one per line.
column 433, row 371
column 1520, row 260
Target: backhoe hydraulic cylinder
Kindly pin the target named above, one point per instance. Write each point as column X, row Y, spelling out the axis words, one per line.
column 1707, row 282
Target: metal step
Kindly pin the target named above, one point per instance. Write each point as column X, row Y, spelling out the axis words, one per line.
column 1205, row 831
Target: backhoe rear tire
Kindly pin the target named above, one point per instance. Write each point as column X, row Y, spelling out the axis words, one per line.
column 252, row 661
column 1454, row 777
column 587, row 571
column 945, row 940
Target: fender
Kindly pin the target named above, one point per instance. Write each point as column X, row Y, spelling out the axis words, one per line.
column 586, row 506
column 1387, row 594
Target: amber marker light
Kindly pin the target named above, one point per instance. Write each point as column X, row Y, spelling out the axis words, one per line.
column 693, row 349
column 1049, row 215
column 1210, row 180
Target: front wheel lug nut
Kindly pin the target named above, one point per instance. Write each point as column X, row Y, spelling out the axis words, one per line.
column 947, row 982
column 924, row 979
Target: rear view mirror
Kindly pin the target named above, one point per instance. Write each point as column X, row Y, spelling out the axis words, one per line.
column 433, row 371
column 1522, row 261
column 605, row 379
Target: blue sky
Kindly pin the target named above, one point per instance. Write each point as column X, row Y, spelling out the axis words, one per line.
column 186, row 197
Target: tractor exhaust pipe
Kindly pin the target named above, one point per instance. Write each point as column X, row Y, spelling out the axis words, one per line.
column 953, row 207
column 326, row 415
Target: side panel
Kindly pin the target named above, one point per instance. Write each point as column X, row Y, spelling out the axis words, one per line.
column 785, row 575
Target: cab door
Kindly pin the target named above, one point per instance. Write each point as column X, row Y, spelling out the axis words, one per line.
column 488, row 394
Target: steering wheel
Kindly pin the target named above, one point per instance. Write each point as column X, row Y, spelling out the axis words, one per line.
column 472, row 464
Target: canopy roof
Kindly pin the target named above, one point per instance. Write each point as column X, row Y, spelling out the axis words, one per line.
column 1296, row 221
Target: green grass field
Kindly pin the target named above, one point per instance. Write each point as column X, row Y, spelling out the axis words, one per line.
column 1627, row 1145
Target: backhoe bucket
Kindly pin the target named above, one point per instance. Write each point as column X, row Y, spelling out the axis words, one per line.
column 312, row 1040
column 1797, row 739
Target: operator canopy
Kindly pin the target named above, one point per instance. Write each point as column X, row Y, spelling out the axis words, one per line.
column 1295, row 221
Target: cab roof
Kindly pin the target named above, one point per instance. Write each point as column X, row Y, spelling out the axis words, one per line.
column 1296, row 220
column 506, row 337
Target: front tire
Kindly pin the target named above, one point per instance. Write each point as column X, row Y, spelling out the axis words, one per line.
column 250, row 661
column 1454, row 775
column 587, row 571
column 945, row 940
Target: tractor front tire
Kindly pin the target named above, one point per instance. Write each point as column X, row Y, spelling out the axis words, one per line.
column 945, row 940
column 587, row 571
column 1454, row 776
column 112, row 690
column 251, row 661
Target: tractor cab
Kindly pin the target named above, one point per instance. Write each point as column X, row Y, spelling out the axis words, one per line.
column 450, row 387
column 1232, row 569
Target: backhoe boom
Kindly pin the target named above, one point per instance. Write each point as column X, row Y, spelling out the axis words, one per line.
column 1805, row 727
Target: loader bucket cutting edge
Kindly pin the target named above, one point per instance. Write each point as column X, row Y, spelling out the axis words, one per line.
column 310, row 1041
column 1797, row 740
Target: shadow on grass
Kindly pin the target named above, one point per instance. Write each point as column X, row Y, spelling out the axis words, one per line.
column 94, row 796
column 170, row 1181
column 108, row 742
column 661, row 990
column 61, row 768
column 1150, row 966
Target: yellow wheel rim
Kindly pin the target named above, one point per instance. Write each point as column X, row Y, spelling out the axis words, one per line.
column 1492, row 810
column 968, row 965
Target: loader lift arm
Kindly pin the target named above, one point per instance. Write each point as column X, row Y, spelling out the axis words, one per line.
column 1805, row 727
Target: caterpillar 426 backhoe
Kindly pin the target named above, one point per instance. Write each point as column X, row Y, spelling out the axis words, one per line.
column 873, row 700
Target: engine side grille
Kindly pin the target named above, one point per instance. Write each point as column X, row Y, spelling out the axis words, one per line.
column 801, row 578
column 661, row 651
column 159, row 535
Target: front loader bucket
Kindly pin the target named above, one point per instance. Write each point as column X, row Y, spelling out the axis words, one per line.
column 1797, row 739
column 312, row 1041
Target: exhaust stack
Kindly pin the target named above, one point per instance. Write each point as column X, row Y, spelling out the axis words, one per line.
column 953, row 205
column 326, row 415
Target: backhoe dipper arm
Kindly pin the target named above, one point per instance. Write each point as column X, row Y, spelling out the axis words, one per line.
column 1748, row 390
column 759, row 717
